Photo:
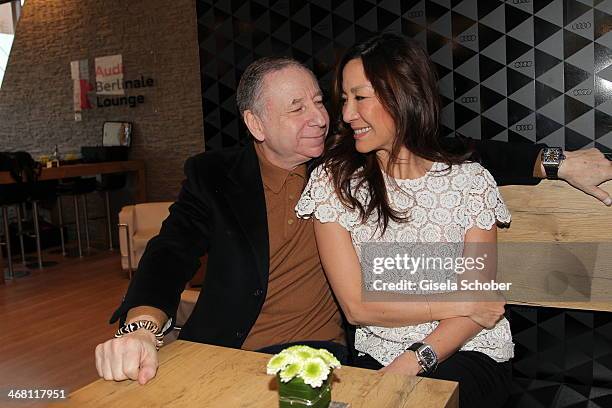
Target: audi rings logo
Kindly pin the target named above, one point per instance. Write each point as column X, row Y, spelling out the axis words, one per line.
column 521, row 1
column 469, row 99
column 582, row 25
column 524, row 128
column 583, row 91
column 467, row 38
column 415, row 14
column 523, row 64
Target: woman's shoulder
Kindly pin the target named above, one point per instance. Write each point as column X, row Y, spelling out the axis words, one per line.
column 471, row 170
column 466, row 176
column 324, row 173
column 320, row 173
column 468, row 167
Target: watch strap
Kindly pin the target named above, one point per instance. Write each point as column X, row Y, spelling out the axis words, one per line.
column 415, row 346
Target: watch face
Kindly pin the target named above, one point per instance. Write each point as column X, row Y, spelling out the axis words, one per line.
column 428, row 355
column 552, row 156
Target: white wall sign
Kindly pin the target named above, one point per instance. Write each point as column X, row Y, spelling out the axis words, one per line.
column 109, row 75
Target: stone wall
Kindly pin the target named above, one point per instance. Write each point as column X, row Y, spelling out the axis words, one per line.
column 156, row 38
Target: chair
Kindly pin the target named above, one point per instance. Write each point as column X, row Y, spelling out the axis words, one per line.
column 137, row 225
column 37, row 192
column 105, row 184
column 11, row 195
column 75, row 188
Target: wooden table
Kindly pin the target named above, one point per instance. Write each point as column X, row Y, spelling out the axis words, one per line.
column 199, row 375
column 137, row 167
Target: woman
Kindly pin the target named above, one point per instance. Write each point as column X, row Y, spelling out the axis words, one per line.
column 384, row 178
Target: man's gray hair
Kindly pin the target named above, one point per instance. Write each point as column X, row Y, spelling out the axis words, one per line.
column 250, row 87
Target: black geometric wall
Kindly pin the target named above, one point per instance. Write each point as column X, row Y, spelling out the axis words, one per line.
column 562, row 358
column 519, row 70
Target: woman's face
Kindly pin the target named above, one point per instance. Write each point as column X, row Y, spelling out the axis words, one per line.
column 373, row 127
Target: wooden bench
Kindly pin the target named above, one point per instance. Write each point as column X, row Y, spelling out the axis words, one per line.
column 558, row 247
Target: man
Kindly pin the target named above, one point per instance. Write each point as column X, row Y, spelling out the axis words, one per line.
column 264, row 287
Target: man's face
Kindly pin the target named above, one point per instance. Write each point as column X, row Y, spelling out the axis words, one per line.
column 293, row 120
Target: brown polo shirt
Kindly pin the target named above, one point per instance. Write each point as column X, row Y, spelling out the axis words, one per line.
column 299, row 304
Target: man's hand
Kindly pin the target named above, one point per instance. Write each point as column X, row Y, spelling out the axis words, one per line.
column 405, row 364
column 586, row 170
column 132, row 356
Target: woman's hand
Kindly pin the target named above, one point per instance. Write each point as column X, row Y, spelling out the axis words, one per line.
column 486, row 313
column 405, row 364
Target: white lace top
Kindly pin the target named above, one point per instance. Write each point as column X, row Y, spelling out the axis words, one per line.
column 442, row 205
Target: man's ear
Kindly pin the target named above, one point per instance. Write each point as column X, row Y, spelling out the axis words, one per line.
column 254, row 124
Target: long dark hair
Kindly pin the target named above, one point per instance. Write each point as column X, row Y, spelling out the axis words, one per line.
column 405, row 82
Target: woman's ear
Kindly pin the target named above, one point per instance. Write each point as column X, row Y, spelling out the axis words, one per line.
column 254, row 124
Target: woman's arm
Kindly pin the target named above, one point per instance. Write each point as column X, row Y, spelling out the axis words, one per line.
column 452, row 334
column 343, row 271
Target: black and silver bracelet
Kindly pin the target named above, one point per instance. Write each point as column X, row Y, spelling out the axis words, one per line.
column 143, row 324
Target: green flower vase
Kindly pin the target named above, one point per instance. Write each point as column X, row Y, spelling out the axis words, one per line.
column 296, row 393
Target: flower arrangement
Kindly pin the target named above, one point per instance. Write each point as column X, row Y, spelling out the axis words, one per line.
column 310, row 365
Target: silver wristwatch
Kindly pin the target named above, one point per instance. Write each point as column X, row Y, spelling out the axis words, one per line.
column 552, row 157
column 426, row 356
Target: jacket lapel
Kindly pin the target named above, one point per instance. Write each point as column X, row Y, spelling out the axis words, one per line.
column 245, row 195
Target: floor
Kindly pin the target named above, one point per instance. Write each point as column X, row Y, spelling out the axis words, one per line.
column 53, row 319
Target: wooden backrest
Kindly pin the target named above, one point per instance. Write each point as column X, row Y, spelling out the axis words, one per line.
column 558, row 248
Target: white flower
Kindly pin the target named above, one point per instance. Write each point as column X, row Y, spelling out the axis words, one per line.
column 311, row 365
column 291, row 371
column 279, row 362
column 301, row 353
column 314, row 371
column 329, row 358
